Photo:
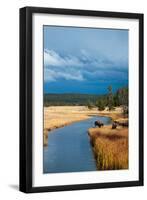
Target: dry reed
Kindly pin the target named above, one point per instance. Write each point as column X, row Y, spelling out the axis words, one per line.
column 110, row 147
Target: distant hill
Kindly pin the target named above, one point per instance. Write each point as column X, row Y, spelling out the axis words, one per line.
column 69, row 99
column 120, row 97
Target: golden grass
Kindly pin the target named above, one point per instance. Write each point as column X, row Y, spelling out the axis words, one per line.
column 110, row 147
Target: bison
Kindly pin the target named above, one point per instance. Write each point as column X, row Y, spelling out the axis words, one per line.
column 98, row 123
column 114, row 125
column 122, row 123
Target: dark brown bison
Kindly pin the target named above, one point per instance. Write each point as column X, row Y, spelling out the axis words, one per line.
column 122, row 123
column 114, row 125
column 98, row 123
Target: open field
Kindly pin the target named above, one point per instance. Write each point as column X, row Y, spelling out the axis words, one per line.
column 110, row 147
column 59, row 116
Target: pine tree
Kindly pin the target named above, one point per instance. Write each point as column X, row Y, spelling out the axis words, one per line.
column 110, row 98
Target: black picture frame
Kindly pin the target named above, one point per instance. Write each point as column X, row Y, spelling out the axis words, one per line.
column 26, row 99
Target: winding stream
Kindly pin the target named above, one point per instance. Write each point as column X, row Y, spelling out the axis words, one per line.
column 69, row 148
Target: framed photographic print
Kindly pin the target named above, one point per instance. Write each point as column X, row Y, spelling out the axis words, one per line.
column 81, row 99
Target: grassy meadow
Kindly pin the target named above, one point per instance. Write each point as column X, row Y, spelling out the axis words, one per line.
column 110, row 146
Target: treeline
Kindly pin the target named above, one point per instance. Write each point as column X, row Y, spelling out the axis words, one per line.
column 110, row 100
column 69, row 99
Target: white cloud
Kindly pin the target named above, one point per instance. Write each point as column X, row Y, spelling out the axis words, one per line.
column 51, row 75
column 84, row 66
column 52, row 58
column 57, row 67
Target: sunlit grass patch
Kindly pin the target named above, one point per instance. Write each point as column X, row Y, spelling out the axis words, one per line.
column 110, row 147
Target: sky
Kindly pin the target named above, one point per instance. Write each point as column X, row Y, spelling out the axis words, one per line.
column 84, row 60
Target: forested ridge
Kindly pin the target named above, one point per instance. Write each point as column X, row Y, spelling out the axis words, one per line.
column 69, row 99
column 120, row 97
